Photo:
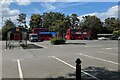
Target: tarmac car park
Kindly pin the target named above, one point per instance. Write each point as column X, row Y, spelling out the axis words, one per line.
column 53, row 61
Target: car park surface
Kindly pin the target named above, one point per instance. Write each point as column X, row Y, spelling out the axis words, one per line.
column 50, row 60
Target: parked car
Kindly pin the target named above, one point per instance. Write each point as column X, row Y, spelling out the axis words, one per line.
column 33, row 37
column 103, row 38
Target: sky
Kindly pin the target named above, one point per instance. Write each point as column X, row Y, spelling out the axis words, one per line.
column 100, row 9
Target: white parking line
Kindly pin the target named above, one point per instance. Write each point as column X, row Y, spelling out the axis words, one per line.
column 74, row 67
column 91, row 46
column 20, row 70
column 102, row 52
column 98, row 59
column 63, row 62
column 108, row 48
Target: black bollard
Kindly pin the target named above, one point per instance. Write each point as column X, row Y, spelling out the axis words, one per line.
column 78, row 69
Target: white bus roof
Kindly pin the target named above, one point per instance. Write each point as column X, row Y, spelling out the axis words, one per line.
column 32, row 34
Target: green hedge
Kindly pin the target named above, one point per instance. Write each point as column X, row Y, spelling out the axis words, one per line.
column 57, row 41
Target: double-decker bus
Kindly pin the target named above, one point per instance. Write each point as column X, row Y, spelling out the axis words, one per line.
column 77, row 34
column 44, row 33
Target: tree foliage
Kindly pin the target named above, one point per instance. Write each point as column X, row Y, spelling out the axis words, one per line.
column 68, row 22
column 36, row 21
column 22, row 20
column 59, row 26
column 116, row 33
column 112, row 24
column 50, row 17
column 74, row 20
column 93, row 24
column 8, row 24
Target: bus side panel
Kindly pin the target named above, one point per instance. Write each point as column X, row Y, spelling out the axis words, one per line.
column 77, row 35
column 44, row 37
column 85, row 34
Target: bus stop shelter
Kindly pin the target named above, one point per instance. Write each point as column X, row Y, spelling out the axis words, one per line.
column 15, row 37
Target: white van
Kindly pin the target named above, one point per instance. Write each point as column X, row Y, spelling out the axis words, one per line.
column 119, row 38
column 33, row 37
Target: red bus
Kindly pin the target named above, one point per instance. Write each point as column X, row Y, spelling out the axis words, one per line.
column 38, row 30
column 77, row 34
column 42, row 36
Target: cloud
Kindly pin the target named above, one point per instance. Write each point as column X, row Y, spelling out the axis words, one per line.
column 51, row 6
column 19, row 2
column 78, row 3
column 48, row 6
column 111, row 12
column 64, row 5
column 7, row 13
column 23, row 2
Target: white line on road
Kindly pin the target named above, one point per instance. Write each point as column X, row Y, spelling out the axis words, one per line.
column 91, row 46
column 62, row 61
column 20, row 70
column 102, row 52
column 74, row 67
column 98, row 58
column 108, row 48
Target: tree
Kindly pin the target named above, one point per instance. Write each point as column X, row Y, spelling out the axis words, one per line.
column 8, row 24
column 50, row 17
column 74, row 20
column 112, row 24
column 93, row 24
column 0, row 31
column 116, row 33
column 68, row 22
column 59, row 26
column 35, row 21
column 22, row 20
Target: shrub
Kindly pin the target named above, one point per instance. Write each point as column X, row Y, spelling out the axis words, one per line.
column 56, row 41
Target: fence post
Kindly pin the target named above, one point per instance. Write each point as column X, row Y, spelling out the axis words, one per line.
column 78, row 69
